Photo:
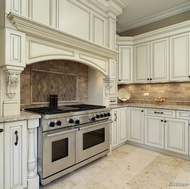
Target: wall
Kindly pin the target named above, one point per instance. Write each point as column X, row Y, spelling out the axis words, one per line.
column 175, row 93
column 68, row 79
column 158, row 24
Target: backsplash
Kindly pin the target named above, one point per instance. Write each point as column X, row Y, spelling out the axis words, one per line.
column 67, row 79
column 175, row 93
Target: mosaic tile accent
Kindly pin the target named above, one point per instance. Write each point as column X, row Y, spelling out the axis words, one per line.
column 71, row 85
column 46, row 83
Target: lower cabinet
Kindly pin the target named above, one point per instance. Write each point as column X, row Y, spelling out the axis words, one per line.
column 176, row 135
column 167, row 133
column 119, row 126
column 15, row 155
column 136, row 125
column 1, row 157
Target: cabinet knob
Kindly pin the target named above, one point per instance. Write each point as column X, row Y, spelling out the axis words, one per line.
column 147, row 78
column 150, row 78
column 142, row 110
column 189, row 76
column 1, row 130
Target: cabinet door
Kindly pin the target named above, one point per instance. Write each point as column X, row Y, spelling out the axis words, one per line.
column 122, row 125
column 114, row 128
column 136, row 125
column 15, row 154
column 179, row 58
column 1, row 157
column 142, row 63
column 176, row 135
column 125, row 64
column 159, row 61
column 154, row 131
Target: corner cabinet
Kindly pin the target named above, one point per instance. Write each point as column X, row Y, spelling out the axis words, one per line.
column 136, row 125
column 1, row 157
column 119, row 127
column 15, row 154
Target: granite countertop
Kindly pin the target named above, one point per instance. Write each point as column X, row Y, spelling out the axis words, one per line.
column 159, row 105
column 23, row 116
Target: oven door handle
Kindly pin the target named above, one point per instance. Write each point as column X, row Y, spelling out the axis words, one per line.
column 95, row 124
column 60, row 133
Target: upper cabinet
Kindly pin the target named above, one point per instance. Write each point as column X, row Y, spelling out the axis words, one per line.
column 151, row 61
column 179, row 58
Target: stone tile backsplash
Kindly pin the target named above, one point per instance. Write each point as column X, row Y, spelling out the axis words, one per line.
column 67, row 79
column 175, row 93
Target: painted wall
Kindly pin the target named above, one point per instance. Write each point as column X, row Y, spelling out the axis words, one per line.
column 159, row 24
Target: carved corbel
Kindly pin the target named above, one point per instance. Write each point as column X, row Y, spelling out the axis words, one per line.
column 12, row 84
column 108, row 83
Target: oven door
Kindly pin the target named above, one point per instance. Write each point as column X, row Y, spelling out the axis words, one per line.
column 58, row 151
column 92, row 139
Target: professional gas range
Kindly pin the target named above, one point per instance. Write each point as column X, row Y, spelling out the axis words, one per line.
column 70, row 137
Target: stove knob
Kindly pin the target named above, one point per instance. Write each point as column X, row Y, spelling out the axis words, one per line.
column 97, row 116
column 105, row 114
column 70, row 120
column 77, row 121
column 58, row 123
column 108, row 114
column 101, row 115
column 52, row 124
column 92, row 118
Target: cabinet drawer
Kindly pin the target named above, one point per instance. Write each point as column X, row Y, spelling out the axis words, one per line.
column 183, row 114
column 160, row 112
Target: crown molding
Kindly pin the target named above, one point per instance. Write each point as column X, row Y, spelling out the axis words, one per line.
column 154, row 18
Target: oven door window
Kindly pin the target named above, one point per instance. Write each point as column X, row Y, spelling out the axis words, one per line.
column 93, row 138
column 60, row 149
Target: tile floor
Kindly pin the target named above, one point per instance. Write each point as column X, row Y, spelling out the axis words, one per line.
column 129, row 167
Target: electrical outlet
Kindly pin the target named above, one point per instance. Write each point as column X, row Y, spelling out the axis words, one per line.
column 146, row 94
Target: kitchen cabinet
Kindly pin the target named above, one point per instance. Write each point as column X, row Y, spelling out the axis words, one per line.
column 154, row 131
column 125, row 64
column 119, row 127
column 179, row 57
column 176, row 135
column 1, row 157
column 151, row 61
column 15, row 155
column 136, row 125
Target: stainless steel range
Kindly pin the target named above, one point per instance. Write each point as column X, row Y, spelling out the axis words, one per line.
column 70, row 137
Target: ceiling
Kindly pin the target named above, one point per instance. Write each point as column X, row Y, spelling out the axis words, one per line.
column 141, row 12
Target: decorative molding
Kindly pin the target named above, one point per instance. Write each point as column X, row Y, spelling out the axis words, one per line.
column 54, row 35
column 12, row 83
column 154, row 18
column 108, row 83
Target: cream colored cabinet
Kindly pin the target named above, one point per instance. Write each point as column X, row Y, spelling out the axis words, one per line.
column 152, row 61
column 15, row 154
column 159, row 68
column 119, row 127
column 125, row 64
column 176, row 135
column 154, row 131
column 1, row 157
column 179, row 58
column 136, row 125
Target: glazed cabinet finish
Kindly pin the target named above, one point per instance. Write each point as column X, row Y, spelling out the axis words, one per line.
column 15, row 155
column 119, row 127
column 179, row 58
column 152, row 62
column 154, row 131
column 125, row 64
column 136, row 125
column 1, row 157
column 176, row 135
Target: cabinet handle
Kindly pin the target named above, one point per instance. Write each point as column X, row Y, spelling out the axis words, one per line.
column 115, row 117
column 16, row 133
column 1, row 130
column 158, row 112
